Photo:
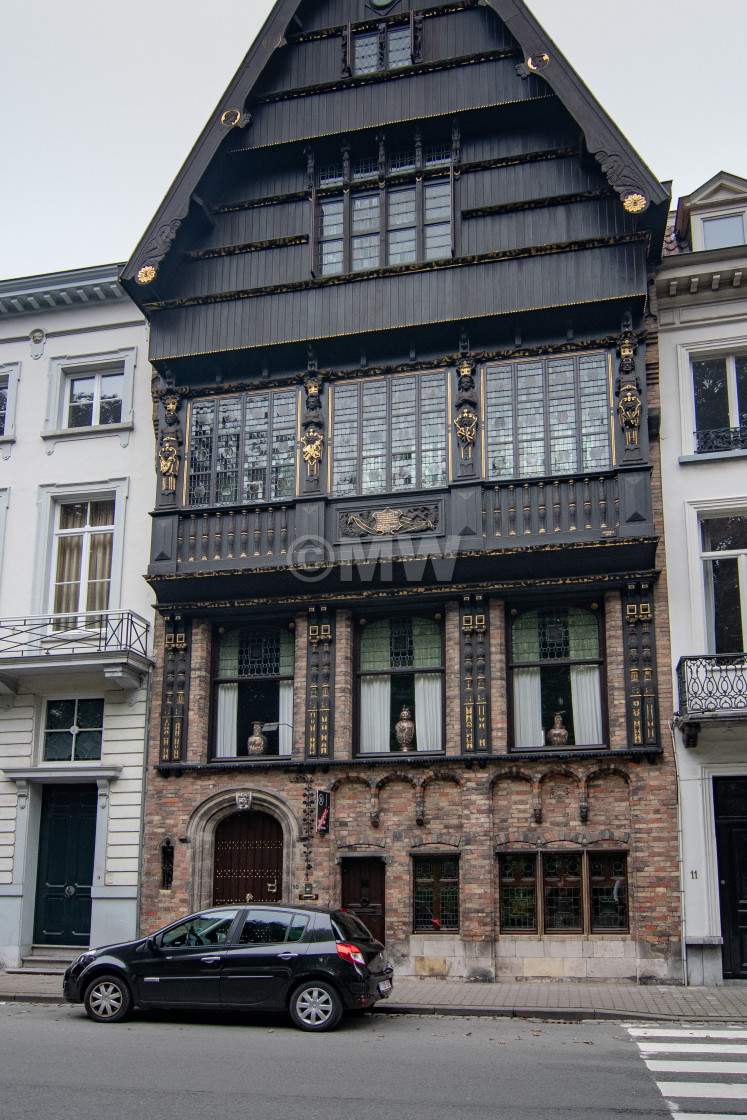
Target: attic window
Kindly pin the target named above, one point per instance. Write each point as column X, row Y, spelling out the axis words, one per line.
column 377, row 50
column 721, row 232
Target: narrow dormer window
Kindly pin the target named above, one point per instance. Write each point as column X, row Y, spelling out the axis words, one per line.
column 724, row 231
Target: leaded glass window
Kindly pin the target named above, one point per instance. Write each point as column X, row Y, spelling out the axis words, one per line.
column 547, row 416
column 436, row 894
column 401, row 668
column 73, row 730
column 242, row 449
column 564, row 892
column 387, row 48
column 556, row 668
column 389, row 435
column 254, row 686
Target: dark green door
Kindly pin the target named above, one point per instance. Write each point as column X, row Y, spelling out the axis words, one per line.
column 730, row 800
column 63, row 885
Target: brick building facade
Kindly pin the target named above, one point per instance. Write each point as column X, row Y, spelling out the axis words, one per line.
column 405, row 543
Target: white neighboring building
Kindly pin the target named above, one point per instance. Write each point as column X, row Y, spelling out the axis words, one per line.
column 76, row 482
column 702, row 301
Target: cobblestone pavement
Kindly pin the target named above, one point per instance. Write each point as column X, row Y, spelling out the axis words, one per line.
column 558, row 1000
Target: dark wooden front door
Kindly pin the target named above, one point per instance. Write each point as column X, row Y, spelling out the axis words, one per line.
column 248, row 859
column 67, row 837
column 363, row 892
column 730, row 800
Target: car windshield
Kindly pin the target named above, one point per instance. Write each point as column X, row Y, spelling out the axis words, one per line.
column 351, row 927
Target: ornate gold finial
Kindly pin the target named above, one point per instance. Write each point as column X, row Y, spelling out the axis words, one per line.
column 635, row 202
column 231, row 117
column 146, row 274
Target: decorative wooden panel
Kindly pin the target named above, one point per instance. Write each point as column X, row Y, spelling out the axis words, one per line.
column 320, row 684
column 640, row 666
column 177, row 657
column 474, row 674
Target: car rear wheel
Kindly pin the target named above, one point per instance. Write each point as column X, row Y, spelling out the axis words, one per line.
column 107, row 1000
column 315, row 1006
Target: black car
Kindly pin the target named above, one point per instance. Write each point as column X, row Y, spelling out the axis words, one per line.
column 312, row 962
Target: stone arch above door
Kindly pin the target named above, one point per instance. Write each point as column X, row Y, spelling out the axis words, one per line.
column 201, row 829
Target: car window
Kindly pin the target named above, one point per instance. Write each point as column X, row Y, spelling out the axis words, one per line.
column 350, row 927
column 265, row 927
column 201, row 929
column 297, row 927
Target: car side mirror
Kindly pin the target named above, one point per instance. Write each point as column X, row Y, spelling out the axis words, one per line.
column 152, row 945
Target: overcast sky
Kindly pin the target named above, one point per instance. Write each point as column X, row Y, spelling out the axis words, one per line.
column 102, row 101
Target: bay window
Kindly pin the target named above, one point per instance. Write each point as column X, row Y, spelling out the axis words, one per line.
column 547, row 416
column 400, row 667
column 389, row 434
column 253, row 689
column 556, row 670
column 242, row 449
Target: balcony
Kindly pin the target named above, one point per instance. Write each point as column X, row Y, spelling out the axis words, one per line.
column 113, row 643
column 721, row 439
column 711, row 688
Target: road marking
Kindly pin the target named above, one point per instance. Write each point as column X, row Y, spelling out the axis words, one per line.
column 711, row 1089
column 701, row 1115
column 658, row 1032
column 695, row 1067
column 690, row 1048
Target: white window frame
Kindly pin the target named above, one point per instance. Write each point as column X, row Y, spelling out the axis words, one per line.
column 690, row 352
column 695, row 512
column 698, row 221
column 50, row 498
column 76, row 695
column 11, row 370
column 62, row 369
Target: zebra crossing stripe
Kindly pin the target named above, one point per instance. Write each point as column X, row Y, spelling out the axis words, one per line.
column 701, row 1115
column 690, row 1048
column 657, row 1066
column 701, row 1089
column 660, row 1032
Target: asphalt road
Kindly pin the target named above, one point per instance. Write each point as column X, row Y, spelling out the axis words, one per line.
column 54, row 1062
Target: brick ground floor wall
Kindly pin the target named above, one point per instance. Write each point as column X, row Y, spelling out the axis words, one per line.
column 399, row 811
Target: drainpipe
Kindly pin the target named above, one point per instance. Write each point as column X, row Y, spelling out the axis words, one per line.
column 680, row 859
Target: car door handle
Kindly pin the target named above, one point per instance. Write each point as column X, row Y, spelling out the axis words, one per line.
column 286, row 956
column 209, row 960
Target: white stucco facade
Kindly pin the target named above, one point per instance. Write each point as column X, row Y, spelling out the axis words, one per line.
column 702, row 310
column 76, row 482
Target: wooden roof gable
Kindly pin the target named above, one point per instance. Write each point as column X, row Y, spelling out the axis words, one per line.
column 625, row 171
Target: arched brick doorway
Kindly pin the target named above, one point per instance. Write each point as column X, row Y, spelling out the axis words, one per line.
column 248, row 864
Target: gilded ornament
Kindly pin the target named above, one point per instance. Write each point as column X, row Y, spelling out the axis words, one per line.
column 466, row 429
column 635, row 203
column 313, row 450
column 231, row 117
column 538, row 62
column 387, row 522
column 168, row 461
column 146, row 274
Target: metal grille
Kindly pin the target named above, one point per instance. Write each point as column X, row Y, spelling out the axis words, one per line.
column 167, row 865
column 259, row 654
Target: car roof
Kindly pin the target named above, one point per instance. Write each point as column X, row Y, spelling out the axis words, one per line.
column 275, row 906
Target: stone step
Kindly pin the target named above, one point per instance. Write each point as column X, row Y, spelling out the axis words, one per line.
column 36, row 971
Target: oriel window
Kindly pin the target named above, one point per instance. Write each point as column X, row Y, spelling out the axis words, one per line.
column 389, row 434
column 547, row 416
column 242, row 449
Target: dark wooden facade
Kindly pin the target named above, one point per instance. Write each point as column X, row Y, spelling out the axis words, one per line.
column 387, row 193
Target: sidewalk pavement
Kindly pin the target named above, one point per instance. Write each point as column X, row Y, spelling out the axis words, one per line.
column 541, row 1000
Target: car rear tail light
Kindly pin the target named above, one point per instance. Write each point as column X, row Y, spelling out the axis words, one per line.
column 350, row 953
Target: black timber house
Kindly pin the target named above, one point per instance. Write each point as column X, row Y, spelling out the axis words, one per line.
column 405, row 538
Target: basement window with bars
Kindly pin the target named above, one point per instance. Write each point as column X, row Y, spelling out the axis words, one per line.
column 389, row 434
column 242, row 449
column 564, row 892
column 435, row 894
column 547, row 416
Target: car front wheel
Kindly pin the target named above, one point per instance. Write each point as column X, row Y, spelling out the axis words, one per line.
column 315, row 1006
column 107, row 1000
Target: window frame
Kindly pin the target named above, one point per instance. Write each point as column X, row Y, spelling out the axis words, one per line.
column 420, row 445
column 87, row 533
column 737, row 431
column 360, row 673
column 54, row 495
column 280, row 626
column 696, row 351
column 382, row 34
column 62, row 370
column 72, row 761
column 707, row 555
column 600, row 661
column 438, row 858
column 587, row 926
column 699, row 222
column 490, row 475
column 11, row 373
column 212, row 498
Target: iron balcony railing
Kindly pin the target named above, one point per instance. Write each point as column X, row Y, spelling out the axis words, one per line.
column 68, row 634
column 714, row 686
column 721, row 439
